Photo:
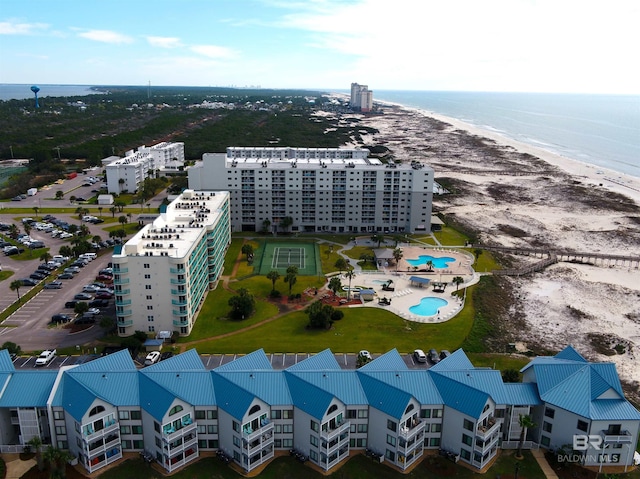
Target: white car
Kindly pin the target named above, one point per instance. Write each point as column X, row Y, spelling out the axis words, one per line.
column 420, row 356
column 152, row 358
column 65, row 235
column 45, row 357
column 365, row 355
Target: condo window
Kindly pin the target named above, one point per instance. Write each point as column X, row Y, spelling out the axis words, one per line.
column 549, row 412
column 123, row 414
column 147, row 276
column 149, row 318
column 425, row 413
column 545, row 441
column 547, row 426
column 147, row 286
column 391, row 440
column 136, row 415
column 391, row 425
column 58, row 414
column 152, row 329
column 468, row 425
column 583, row 425
column 145, row 265
column 468, row 440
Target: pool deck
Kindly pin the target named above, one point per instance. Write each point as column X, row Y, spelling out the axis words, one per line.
column 406, row 294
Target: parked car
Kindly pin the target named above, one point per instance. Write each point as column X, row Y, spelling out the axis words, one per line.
column 36, row 245
column 105, row 278
column 433, row 356
column 61, row 318
column 45, row 357
column 70, row 304
column 53, row 285
column 152, row 358
column 13, row 250
column 104, row 295
column 28, row 282
column 85, row 319
column 99, row 303
column 66, row 276
column 90, row 289
column 72, row 270
column 365, row 355
column 166, row 355
column 83, row 297
column 419, row 355
column 38, row 276
column 93, row 311
column 444, row 354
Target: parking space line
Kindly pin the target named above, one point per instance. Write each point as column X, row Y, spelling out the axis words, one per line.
column 65, row 360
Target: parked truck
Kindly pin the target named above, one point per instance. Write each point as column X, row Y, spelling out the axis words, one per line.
column 32, row 191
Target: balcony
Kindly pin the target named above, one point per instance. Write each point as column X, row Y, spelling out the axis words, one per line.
column 485, row 446
column 117, row 280
column 178, row 291
column 180, row 323
column 485, row 431
column 329, row 433
column 178, row 281
column 120, row 270
column 177, row 302
column 125, row 323
column 170, row 434
column 249, row 434
column 123, row 302
column 405, row 461
column 622, row 437
column 123, row 291
column 410, row 429
column 109, row 426
column 124, row 312
column 176, row 270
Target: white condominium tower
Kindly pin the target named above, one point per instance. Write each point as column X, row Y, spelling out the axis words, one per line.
column 361, row 98
column 127, row 173
column 318, row 189
column 163, row 273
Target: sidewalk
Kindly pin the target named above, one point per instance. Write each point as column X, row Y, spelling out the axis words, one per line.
column 538, row 454
column 16, row 468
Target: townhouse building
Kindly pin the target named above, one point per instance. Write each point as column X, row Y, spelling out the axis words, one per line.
column 176, row 409
column 126, row 174
column 162, row 274
column 302, row 190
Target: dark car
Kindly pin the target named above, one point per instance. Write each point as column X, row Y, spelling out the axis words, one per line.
column 99, row 303
column 66, row 276
column 80, row 199
column 103, row 295
column 444, row 354
column 14, row 250
column 96, row 221
column 37, row 276
column 53, row 285
column 70, row 304
column 28, row 282
column 61, row 318
column 166, row 355
column 85, row 319
column 83, row 297
column 36, row 245
column 433, row 356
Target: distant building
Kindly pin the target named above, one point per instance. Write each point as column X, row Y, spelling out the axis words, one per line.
column 338, row 190
column 126, row 174
column 361, row 98
column 162, row 274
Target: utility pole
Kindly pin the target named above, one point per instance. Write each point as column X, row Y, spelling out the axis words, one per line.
column 11, row 148
column 57, row 148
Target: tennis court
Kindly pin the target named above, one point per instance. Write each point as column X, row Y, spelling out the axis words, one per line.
column 279, row 256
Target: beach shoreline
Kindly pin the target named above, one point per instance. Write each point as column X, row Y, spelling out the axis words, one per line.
column 521, row 196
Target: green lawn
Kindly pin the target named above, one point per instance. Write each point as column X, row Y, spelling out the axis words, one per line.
column 5, row 275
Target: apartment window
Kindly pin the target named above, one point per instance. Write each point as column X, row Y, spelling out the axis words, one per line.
column 391, row 440
column 545, row 441
column 276, row 414
column 436, row 427
column 313, row 455
column 362, row 442
column 313, row 440
column 201, row 428
column 136, row 429
column 391, row 425
column 149, row 297
column 391, row 455
column 363, row 413
column 363, row 428
column 149, row 307
column 200, row 414
column 61, row 430
column 152, row 329
column 549, row 412
column 434, row 442
column 58, row 414
column 277, row 429
column 236, row 426
column 123, row 415
column 425, row 413
column 464, row 454
column 63, row 445
column 212, row 414
column 138, row 444
column 146, row 266
column 287, row 428
column 136, row 415
column 468, row 425
column 351, row 413
column 314, row 426
column 147, row 286
column 125, row 429
column 236, row 441
column 583, row 425
column 437, row 413
column 212, row 429
column 287, row 414
column 547, row 426
column 287, row 443
column 468, row 440
column 147, row 276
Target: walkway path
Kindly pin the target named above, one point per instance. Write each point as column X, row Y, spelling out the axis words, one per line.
column 549, row 473
column 16, row 468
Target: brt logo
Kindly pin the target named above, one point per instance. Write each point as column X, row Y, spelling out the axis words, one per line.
column 582, row 442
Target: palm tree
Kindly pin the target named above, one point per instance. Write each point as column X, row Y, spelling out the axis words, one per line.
column 458, row 280
column 525, row 422
column 273, row 275
column 13, row 231
column 335, row 284
column 27, row 228
column 113, row 211
column 429, row 265
column 36, row 209
column 36, row 443
column 397, row 255
column 122, row 220
column 291, row 277
column 100, row 208
column 341, row 264
column 44, row 257
column 15, row 286
column 349, row 275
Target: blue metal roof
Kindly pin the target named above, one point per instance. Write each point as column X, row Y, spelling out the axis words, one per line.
column 390, row 361
column 458, row 360
column 521, row 394
column 6, row 365
column 418, row 383
column 613, row 409
column 466, row 399
column 154, row 398
column 570, row 354
column 119, row 388
column 343, row 384
column 486, row 380
column 118, row 361
column 419, row 279
column 608, row 373
column 28, row 389
column 307, row 397
column 269, row 386
column 324, row 360
column 549, row 375
column 76, row 398
column 194, row 387
column 388, row 399
column 187, row 361
column 252, row 361
column 231, row 398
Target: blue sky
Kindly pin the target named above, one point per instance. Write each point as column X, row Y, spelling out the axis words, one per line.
column 484, row 45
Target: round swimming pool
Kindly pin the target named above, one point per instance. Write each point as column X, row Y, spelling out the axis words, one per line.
column 428, row 306
column 438, row 262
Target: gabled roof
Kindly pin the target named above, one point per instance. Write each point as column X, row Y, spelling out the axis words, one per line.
column 466, row 399
column 390, row 361
column 613, row 409
column 307, row 397
column 323, row 361
column 187, row 361
column 231, row 398
column 118, row 361
column 488, row 381
column 522, row 394
column 76, row 398
column 458, row 360
column 343, row 384
column 6, row 365
column 193, row 387
column 28, row 389
column 388, row 399
column 119, row 388
column 571, row 354
column 418, row 383
column 251, row 362
column 269, row 386
column 154, row 398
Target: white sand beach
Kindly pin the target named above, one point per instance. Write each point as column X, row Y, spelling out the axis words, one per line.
column 521, row 196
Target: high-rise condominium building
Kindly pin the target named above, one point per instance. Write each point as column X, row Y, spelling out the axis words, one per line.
column 318, row 189
column 163, row 273
column 361, row 98
column 127, row 173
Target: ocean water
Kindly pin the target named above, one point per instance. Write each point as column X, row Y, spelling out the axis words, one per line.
column 21, row 92
column 602, row 130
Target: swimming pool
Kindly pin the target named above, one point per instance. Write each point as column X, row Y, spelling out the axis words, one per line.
column 428, row 306
column 438, row 262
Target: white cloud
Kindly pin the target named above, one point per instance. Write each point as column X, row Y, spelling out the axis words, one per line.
column 106, row 36
column 213, row 51
column 15, row 28
column 164, row 42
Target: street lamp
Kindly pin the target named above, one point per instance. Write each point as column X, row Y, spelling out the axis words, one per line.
column 515, row 475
